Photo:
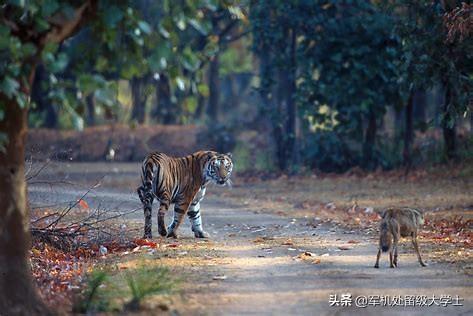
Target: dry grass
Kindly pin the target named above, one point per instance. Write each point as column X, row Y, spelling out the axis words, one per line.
column 429, row 190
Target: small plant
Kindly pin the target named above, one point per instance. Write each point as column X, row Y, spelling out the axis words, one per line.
column 87, row 301
column 147, row 281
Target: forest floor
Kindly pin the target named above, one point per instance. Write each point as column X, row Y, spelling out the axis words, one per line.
column 286, row 245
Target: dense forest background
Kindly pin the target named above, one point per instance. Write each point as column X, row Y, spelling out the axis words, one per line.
column 317, row 84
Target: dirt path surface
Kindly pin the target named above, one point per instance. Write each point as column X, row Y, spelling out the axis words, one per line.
column 270, row 264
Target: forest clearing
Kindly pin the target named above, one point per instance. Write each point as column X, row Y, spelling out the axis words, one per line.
column 277, row 246
column 233, row 157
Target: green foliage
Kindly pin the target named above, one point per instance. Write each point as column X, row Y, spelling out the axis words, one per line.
column 346, row 58
column 88, row 300
column 428, row 58
column 353, row 60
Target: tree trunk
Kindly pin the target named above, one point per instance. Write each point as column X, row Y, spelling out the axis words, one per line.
column 90, row 103
column 291, row 146
column 419, row 107
column 471, row 123
column 17, row 293
column 214, row 90
column 281, row 116
column 271, row 115
column 408, row 132
column 448, row 125
column 200, row 107
column 369, row 144
column 138, row 99
column 165, row 111
column 38, row 97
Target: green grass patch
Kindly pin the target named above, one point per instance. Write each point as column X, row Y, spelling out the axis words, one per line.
column 124, row 290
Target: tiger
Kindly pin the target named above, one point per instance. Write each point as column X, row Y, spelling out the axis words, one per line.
column 182, row 181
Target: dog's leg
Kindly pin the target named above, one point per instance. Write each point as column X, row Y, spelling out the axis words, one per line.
column 416, row 247
column 395, row 244
column 376, row 265
column 391, row 265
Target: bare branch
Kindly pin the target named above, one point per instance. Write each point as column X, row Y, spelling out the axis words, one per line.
column 28, row 177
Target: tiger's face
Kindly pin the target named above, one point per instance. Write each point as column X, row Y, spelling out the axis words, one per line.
column 219, row 168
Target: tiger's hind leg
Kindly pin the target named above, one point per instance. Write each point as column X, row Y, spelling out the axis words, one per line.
column 146, row 197
column 163, row 208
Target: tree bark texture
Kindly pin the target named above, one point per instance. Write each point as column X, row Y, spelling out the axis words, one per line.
column 214, row 89
column 165, row 112
column 449, row 128
column 408, row 131
column 369, row 143
column 17, row 293
column 138, row 99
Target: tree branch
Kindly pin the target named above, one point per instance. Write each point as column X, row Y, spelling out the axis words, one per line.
column 236, row 37
column 63, row 27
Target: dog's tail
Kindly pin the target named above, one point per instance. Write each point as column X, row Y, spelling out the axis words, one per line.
column 385, row 237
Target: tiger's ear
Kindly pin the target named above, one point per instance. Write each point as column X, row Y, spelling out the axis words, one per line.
column 229, row 155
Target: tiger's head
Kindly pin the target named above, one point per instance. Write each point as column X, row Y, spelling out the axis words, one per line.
column 218, row 168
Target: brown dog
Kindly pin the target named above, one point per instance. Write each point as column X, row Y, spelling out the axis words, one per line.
column 396, row 223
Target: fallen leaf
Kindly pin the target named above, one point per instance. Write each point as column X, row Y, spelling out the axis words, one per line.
column 288, row 243
column 220, row 277
column 344, row 248
column 145, row 242
column 83, row 204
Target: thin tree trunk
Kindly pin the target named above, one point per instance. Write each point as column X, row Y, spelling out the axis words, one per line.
column 398, row 124
column 408, row 132
column 419, row 107
column 214, row 89
column 17, row 293
column 292, row 150
column 200, row 107
column 271, row 113
column 38, row 97
column 370, row 137
column 448, row 125
column 165, row 111
column 281, row 117
column 138, row 99
column 90, row 103
column 471, row 123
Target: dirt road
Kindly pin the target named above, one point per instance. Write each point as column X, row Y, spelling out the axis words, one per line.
column 276, row 265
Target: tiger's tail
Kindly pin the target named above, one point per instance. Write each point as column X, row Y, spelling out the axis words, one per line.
column 385, row 237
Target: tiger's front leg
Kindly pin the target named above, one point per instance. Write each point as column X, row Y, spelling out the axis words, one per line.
column 195, row 217
column 180, row 210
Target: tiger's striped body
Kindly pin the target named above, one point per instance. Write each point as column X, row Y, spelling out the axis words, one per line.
column 181, row 181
